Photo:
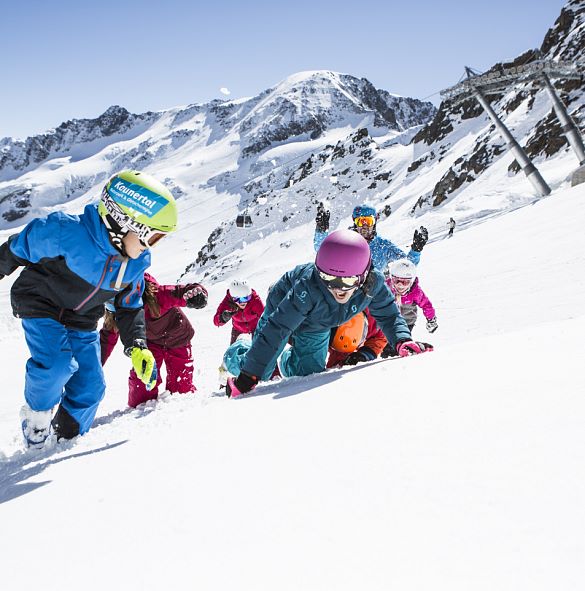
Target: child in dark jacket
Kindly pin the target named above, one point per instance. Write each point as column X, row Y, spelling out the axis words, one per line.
column 168, row 335
column 242, row 306
column 409, row 296
column 72, row 266
column 358, row 340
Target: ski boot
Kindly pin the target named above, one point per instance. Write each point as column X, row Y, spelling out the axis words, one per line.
column 36, row 426
column 223, row 375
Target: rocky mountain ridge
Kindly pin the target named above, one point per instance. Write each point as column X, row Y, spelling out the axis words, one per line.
column 414, row 174
column 303, row 107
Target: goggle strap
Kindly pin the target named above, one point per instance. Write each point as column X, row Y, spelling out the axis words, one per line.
column 126, row 223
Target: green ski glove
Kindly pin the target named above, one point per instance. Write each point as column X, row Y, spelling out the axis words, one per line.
column 143, row 363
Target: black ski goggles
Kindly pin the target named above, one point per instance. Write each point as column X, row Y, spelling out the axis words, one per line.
column 341, row 283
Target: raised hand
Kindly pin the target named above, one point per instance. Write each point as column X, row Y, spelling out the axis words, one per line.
column 195, row 297
column 420, row 238
column 322, row 218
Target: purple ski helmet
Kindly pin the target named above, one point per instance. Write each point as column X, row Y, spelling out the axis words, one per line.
column 344, row 253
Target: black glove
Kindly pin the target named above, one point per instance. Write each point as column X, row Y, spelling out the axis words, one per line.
column 355, row 358
column 432, row 324
column 226, row 315
column 388, row 351
column 421, row 237
column 195, row 296
column 197, row 301
column 322, row 218
column 242, row 384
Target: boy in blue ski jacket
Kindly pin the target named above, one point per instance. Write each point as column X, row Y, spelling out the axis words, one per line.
column 306, row 303
column 72, row 266
column 364, row 223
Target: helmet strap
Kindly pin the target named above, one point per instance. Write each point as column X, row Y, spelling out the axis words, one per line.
column 116, row 234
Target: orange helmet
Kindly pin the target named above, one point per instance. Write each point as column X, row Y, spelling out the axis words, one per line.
column 350, row 336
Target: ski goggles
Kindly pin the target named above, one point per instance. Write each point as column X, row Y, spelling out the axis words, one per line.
column 243, row 299
column 147, row 236
column 405, row 281
column 341, row 283
column 364, row 220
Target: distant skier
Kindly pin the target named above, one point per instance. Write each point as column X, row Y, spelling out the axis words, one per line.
column 451, row 226
column 73, row 264
column 364, row 223
column 243, row 306
column 409, row 296
column 356, row 341
column 306, row 303
column 168, row 336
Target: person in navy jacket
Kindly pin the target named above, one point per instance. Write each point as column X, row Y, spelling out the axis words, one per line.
column 73, row 264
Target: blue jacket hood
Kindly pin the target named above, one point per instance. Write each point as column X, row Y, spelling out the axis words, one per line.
column 96, row 228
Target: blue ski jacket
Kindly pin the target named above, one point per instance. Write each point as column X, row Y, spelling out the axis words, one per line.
column 300, row 302
column 71, row 270
column 383, row 251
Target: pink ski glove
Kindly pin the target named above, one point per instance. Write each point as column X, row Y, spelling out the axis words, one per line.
column 243, row 384
column 406, row 348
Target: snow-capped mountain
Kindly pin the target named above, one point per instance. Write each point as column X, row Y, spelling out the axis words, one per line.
column 429, row 173
column 458, row 469
column 69, row 162
column 316, row 136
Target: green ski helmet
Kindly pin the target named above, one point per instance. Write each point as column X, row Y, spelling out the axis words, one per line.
column 133, row 201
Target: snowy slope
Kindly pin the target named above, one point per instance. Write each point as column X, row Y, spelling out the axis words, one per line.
column 460, row 469
column 456, row 166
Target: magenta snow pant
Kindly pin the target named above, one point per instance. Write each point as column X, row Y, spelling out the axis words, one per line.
column 178, row 363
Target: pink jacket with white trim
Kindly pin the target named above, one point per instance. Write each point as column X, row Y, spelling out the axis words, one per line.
column 244, row 320
column 415, row 295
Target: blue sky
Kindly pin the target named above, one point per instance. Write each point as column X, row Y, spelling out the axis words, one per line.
column 64, row 60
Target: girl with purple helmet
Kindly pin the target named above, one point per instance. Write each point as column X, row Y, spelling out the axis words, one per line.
column 305, row 304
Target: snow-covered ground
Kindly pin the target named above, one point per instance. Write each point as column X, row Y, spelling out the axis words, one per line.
column 463, row 469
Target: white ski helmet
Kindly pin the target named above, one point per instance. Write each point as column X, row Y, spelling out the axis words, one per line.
column 239, row 288
column 403, row 268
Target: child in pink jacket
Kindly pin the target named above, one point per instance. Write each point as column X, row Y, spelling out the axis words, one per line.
column 409, row 296
column 168, row 336
column 242, row 306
